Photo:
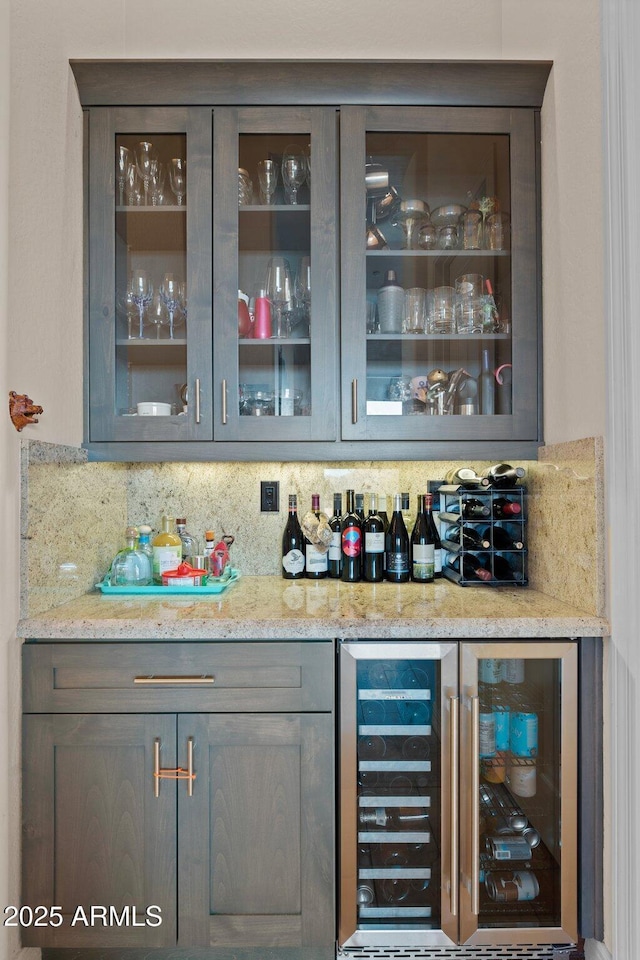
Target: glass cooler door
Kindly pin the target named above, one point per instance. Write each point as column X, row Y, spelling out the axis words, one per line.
column 519, row 768
column 398, row 793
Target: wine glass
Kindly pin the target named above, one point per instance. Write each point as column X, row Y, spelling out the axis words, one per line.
column 280, row 293
column 303, row 289
column 123, row 159
column 141, row 292
column 178, row 178
column 132, row 186
column 170, row 296
column 158, row 313
column 156, row 183
column 294, row 171
column 268, row 179
column 145, row 154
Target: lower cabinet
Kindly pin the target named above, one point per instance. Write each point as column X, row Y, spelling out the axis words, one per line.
column 191, row 829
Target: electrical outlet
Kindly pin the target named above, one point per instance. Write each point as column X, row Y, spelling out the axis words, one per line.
column 270, row 496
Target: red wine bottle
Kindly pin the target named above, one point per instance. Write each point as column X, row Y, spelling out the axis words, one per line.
column 503, row 570
column 351, row 542
column 316, row 561
column 468, row 566
column 504, row 508
column 293, row 544
column 422, row 545
column 502, row 539
column 437, row 545
column 472, row 508
column 397, row 545
column 467, row 537
column 360, row 506
column 335, row 549
column 373, row 534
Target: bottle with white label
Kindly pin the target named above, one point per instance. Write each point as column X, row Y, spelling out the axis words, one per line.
column 373, row 530
column 422, row 544
column 335, row 548
column 316, row 559
column 167, row 549
column 293, row 544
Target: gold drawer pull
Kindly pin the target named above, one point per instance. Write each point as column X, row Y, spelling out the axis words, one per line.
column 153, row 679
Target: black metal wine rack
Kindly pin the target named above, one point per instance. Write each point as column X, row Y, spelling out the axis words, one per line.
column 508, row 567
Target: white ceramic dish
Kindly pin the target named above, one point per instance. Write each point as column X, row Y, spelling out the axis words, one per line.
column 151, row 409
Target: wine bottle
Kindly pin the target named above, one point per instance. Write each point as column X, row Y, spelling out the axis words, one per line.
column 437, row 545
column 373, row 533
column 503, row 569
column 293, row 544
column 472, row 509
column 467, row 537
column 382, row 510
column 503, row 475
column 351, row 542
column 487, row 386
column 190, row 545
column 316, row 561
column 468, row 566
column 422, row 546
column 502, row 539
column 397, row 545
column 335, row 550
column 466, row 477
column 167, row 549
column 504, row 508
column 360, row 506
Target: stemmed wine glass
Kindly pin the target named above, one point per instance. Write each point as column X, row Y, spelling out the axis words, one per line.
column 280, row 292
column 170, row 296
column 158, row 313
column 268, row 179
column 303, row 289
column 123, row 155
column 156, row 183
column 178, row 178
column 132, row 188
column 145, row 155
column 141, row 292
column 294, row 171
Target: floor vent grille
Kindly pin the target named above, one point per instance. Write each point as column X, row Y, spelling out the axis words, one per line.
column 499, row 952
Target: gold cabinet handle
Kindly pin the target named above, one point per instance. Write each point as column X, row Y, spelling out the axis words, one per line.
column 475, row 806
column 354, row 401
column 454, row 704
column 197, row 399
column 224, row 401
column 156, row 767
column 154, row 679
column 172, row 773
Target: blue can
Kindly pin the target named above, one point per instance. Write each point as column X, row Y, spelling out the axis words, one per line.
column 502, row 714
column 524, row 734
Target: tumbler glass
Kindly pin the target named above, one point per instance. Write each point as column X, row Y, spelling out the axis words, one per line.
column 441, row 317
column 414, row 310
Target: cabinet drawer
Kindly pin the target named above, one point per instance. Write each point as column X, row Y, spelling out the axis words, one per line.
column 211, row 677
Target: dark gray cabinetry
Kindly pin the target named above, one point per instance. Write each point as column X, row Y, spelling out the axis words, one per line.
column 239, row 856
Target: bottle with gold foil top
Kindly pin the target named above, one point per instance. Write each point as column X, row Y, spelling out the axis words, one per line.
column 167, row 549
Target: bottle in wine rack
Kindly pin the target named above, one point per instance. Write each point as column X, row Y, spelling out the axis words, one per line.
column 503, row 475
column 503, row 570
column 351, row 542
column 335, row 549
column 502, row 539
column 503, row 508
column 468, row 566
column 467, row 537
column 374, row 537
column 466, row 477
column 472, row 508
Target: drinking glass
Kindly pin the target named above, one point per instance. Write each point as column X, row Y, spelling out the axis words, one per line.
column 303, row 290
column 133, row 186
column 170, row 295
column 414, row 310
column 441, row 316
column 145, row 154
column 156, row 183
column 123, row 159
column 178, row 178
column 280, row 292
column 268, row 179
column 157, row 313
column 141, row 292
column 294, row 171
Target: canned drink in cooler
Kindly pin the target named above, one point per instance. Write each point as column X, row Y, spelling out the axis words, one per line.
column 502, row 714
column 522, row 777
column 490, row 670
column 509, row 847
column 513, row 671
column 509, row 887
column 487, row 735
column 523, row 739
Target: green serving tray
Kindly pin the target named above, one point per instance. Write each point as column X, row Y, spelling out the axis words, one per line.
column 214, row 585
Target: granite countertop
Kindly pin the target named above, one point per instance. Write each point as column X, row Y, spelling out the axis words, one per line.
column 269, row 607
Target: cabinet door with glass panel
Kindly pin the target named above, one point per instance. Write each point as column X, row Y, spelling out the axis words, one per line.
column 275, row 269
column 439, row 281
column 150, row 275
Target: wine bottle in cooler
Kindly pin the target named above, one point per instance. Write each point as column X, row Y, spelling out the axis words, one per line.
column 503, row 508
column 316, row 561
column 335, row 549
column 374, row 535
column 351, row 542
column 422, row 546
column 397, row 545
column 468, row 566
column 293, row 544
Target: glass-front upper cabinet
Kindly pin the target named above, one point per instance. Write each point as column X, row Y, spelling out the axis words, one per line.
column 275, row 274
column 150, row 270
column 439, row 292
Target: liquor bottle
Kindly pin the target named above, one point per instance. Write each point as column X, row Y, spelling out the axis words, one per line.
column 373, row 534
column 504, row 508
column 382, row 510
column 504, row 571
column 335, row 550
column 316, row 561
column 503, row 475
column 466, row 477
column 190, row 545
column 167, row 549
column 502, row 539
column 422, row 545
column 437, row 545
column 360, row 506
column 293, row 544
column 468, row 566
column 351, row 542
column 144, row 541
column 487, row 386
column 467, row 537
column 397, row 545
column 472, row 508
column 131, row 566
column 209, row 547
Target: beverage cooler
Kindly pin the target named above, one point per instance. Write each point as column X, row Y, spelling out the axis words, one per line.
column 458, row 794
